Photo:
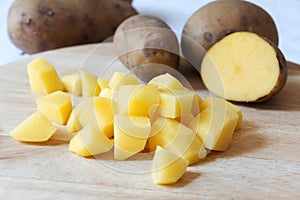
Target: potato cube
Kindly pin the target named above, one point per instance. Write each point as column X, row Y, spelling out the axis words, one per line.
column 119, row 79
column 107, row 93
column 215, row 127
column 176, row 103
column 36, row 128
column 167, row 168
column 102, row 83
column 137, row 99
column 196, row 106
column 131, row 134
column 72, row 84
column 210, row 102
column 90, row 142
column 56, row 106
column 43, row 77
column 166, row 81
column 73, row 123
column 90, row 87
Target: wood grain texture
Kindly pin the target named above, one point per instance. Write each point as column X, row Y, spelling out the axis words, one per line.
column 263, row 161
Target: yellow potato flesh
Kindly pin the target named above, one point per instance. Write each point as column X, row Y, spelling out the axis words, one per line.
column 215, row 127
column 90, row 87
column 107, row 93
column 212, row 103
column 119, row 79
column 176, row 103
column 130, row 135
column 89, row 142
column 56, row 106
column 72, row 84
column 167, row 168
column 102, row 83
column 36, row 128
column 241, row 67
column 43, row 77
column 166, row 81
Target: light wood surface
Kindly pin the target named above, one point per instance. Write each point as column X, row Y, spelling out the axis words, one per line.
column 263, row 161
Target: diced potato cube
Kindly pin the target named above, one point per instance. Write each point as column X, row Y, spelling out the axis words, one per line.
column 105, row 109
column 166, row 81
column 102, row 83
column 43, row 77
column 36, row 128
column 90, row 87
column 56, row 106
column 90, row 142
column 210, row 102
column 73, row 123
column 185, row 119
column 131, row 134
column 176, row 138
column 167, row 168
column 176, row 103
column 215, row 127
column 137, row 99
column 72, row 84
column 119, row 79
column 196, row 104
column 107, row 93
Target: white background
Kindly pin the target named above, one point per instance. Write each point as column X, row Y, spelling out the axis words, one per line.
column 286, row 14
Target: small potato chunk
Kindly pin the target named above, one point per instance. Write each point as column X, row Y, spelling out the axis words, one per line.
column 166, row 81
column 176, row 103
column 56, row 106
column 36, row 128
column 212, row 103
column 90, row 87
column 215, row 127
column 107, row 93
column 167, row 168
column 102, row 83
column 43, row 77
column 119, row 79
column 72, row 84
column 137, row 99
column 131, row 134
column 73, row 123
column 90, row 142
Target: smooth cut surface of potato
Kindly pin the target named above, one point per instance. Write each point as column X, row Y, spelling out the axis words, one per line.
column 36, row 128
column 244, row 67
column 217, row 19
column 167, row 168
column 147, row 46
column 43, row 77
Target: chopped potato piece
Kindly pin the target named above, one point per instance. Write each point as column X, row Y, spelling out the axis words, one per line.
column 166, row 81
column 167, row 168
column 43, row 77
column 137, row 99
column 56, row 106
column 176, row 103
column 102, row 83
column 210, row 102
column 215, row 127
column 107, row 93
column 89, row 142
column 119, row 79
column 36, row 128
column 131, row 134
column 90, row 87
column 72, row 84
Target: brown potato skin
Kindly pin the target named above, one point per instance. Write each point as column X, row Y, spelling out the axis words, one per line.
column 217, row 19
column 147, row 46
column 39, row 25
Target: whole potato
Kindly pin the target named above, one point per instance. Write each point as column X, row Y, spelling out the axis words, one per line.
column 147, row 46
column 217, row 19
column 39, row 25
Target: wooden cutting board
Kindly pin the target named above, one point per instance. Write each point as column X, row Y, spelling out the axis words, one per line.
column 263, row 160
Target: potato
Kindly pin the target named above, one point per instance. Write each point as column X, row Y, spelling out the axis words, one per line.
column 147, row 46
column 36, row 128
column 89, row 84
column 43, row 77
column 56, row 106
column 39, row 25
column 72, row 84
column 244, row 67
column 217, row 19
